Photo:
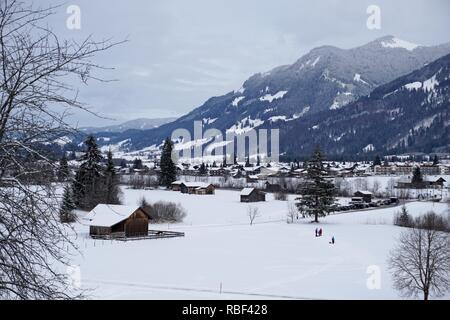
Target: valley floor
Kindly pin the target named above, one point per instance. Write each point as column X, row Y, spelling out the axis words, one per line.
column 223, row 257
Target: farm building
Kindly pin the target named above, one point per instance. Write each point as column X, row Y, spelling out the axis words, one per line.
column 365, row 195
column 117, row 221
column 197, row 188
column 176, row 185
column 252, row 195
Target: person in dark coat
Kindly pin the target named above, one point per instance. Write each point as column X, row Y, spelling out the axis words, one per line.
column 332, row 240
column 320, row 232
column 317, row 232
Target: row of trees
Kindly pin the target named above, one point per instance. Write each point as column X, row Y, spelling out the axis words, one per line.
column 94, row 182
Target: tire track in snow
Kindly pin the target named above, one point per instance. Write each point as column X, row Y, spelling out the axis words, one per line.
column 200, row 290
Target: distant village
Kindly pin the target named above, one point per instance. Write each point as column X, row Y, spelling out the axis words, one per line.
column 142, row 173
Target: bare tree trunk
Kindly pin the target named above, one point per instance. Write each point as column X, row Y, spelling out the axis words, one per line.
column 34, row 100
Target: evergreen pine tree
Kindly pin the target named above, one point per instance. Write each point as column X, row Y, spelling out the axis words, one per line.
column 88, row 185
column 404, row 218
column 137, row 164
column 168, row 172
column 435, row 160
column 202, row 170
column 67, row 206
column 111, row 188
column 417, row 176
column 63, row 170
column 377, row 161
column 317, row 193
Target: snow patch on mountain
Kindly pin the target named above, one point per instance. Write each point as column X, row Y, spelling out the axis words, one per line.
column 315, row 62
column 358, row 78
column 209, row 120
column 277, row 118
column 276, row 96
column 430, row 84
column 236, row 101
column 369, row 148
column 399, row 43
column 427, row 86
column 245, row 125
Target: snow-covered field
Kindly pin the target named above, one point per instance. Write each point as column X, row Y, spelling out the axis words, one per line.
column 269, row 260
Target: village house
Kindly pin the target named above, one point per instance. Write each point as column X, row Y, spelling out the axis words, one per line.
column 437, row 184
column 217, row 172
column 252, row 195
column 365, row 195
column 176, row 185
column 201, row 188
column 384, row 170
column 117, row 221
column 430, row 170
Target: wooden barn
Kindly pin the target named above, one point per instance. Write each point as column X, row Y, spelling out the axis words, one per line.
column 197, row 188
column 252, row 195
column 176, row 185
column 365, row 195
column 117, row 221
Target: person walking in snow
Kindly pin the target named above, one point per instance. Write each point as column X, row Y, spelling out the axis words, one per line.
column 317, row 232
column 332, row 240
column 320, row 232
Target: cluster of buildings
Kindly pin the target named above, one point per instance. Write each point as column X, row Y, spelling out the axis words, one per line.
column 200, row 188
column 405, row 168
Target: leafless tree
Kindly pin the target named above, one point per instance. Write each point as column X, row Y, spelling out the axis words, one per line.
column 292, row 212
column 35, row 96
column 376, row 186
column 253, row 213
column 420, row 264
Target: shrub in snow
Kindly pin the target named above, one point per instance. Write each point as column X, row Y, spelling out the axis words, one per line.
column 282, row 196
column 403, row 219
column 163, row 211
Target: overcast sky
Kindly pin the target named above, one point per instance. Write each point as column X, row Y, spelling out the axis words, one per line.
column 182, row 52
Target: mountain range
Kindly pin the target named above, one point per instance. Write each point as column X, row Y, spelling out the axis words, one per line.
column 351, row 102
column 137, row 124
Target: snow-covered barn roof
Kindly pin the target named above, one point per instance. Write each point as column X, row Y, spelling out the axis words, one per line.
column 196, row 184
column 368, row 193
column 246, row 191
column 107, row 215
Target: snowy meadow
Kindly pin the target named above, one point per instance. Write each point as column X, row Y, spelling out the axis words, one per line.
column 222, row 256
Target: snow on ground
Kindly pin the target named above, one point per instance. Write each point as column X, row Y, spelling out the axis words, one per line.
column 269, row 260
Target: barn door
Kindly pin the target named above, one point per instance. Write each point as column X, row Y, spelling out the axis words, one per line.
column 136, row 228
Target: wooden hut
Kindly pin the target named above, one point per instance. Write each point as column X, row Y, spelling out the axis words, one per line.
column 176, row 185
column 365, row 195
column 252, row 195
column 117, row 221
